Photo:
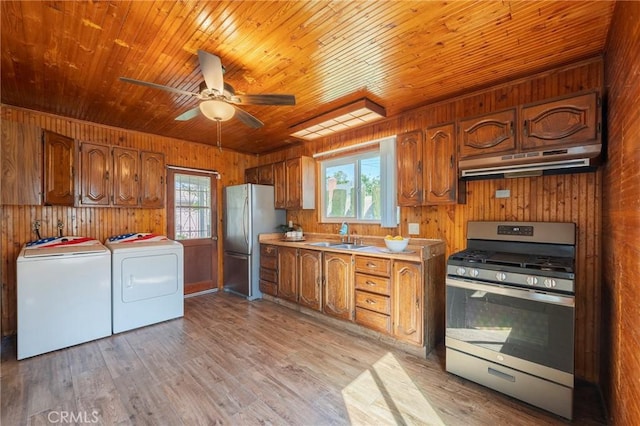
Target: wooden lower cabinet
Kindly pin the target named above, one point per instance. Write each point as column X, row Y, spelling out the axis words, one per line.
column 338, row 285
column 310, row 278
column 381, row 294
column 408, row 302
column 269, row 269
column 373, row 291
column 288, row 273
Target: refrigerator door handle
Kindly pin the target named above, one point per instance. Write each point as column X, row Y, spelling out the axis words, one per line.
column 245, row 220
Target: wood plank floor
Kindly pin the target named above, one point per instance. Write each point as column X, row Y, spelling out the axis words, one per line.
column 229, row 361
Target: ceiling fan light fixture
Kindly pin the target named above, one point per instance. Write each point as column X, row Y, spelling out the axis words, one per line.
column 217, row 110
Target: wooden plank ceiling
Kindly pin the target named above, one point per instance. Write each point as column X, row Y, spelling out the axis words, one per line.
column 65, row 57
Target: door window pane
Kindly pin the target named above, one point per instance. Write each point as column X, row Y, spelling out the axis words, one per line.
column 192, row 207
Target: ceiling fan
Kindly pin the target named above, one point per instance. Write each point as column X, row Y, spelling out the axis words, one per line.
column 218, row 99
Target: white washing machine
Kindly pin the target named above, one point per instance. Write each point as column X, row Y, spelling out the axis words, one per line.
column 64, row 294
column 147, row 280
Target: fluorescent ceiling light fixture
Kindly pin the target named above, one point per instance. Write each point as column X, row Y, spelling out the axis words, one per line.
column 217, row 110
column 346, row 117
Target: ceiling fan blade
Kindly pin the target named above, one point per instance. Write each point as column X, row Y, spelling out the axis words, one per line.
column 248, row 119
column 267, row 99
column 211, row 68
column 158, row 86
column 188, row 115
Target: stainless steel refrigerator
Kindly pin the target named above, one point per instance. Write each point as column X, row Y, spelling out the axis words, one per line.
column 248, row 212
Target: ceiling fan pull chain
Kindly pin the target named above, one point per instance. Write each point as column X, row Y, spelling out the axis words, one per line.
column 219, row 134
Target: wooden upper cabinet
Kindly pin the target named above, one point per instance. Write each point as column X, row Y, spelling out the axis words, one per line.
column 410, row 168
column 59, row 164
column 262, row 175
column 563, row 122
column 279, row 185
column 94, row 176
column 292, row 170
column 299, row 183
column 408, row 302
column 21, row 153
column 265, row 174
column 126, row 181
column 251, row 175
column 441, row 165
column 310, row 277
column 152, row 179
column 338, row 285
column 487, row 134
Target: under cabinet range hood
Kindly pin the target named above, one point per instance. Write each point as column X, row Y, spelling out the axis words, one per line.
column 535, row 163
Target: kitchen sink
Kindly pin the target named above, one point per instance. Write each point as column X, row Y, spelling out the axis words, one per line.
column 338, row 245
column 349, row 246
column 323, row 244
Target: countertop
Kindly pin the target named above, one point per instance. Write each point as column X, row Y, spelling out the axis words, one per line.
column 419, row 249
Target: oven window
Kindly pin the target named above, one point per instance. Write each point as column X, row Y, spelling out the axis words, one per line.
column 536, row 331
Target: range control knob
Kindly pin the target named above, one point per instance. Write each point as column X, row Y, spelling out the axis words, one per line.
column 501, row 276
column 460, row 270
column 549, row 282
column 532, row 280
column 474, row 272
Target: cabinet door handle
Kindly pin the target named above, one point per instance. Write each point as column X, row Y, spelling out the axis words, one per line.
column 511, row 130
column 451, row 162
column 106, row 175
column 526, row 130
column 135, row 178
column 419, row 166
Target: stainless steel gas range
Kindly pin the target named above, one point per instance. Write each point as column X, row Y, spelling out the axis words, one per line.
column 510, row 311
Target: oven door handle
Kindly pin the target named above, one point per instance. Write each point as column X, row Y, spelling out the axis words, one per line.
column 514, row 292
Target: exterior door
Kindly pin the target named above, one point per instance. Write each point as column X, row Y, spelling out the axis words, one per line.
column 191, row 220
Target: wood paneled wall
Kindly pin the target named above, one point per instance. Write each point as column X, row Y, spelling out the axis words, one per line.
column 621, row 219
column 563, row 198
column 100, row 223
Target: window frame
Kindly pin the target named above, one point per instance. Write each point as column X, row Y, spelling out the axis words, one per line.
column 388, row 190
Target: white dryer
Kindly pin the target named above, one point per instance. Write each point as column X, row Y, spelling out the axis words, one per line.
column 64, row 294
column 147, row 280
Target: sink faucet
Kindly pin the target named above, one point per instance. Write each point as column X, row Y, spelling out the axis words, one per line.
column 344, row 231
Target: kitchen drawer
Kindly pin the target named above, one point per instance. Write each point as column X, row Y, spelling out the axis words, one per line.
column 269, row 275
column 373, row 320
column 269, row 262
column 268, row 250
column 269, row 288
column 373, row 302
column 373, row 265
column 380, row 285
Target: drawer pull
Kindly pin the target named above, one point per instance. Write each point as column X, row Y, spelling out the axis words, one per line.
column 369, row 282
column 501, row 375
column 371, row 302
column 371, row 265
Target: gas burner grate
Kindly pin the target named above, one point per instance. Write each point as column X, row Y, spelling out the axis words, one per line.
column 546, row 263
